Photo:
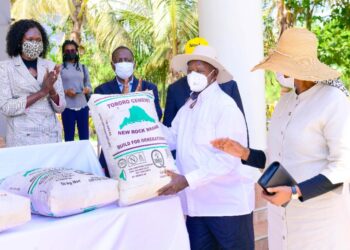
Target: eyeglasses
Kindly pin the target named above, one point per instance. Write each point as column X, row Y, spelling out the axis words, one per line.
column 70, row 51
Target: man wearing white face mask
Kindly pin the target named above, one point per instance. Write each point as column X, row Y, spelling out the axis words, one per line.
column 123, row 64
column 216, row 193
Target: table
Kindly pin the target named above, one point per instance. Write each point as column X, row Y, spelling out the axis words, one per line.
column 153, row 225
column 157, row 224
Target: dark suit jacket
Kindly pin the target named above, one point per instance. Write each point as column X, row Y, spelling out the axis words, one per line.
column 112, row 87
column 179, row 92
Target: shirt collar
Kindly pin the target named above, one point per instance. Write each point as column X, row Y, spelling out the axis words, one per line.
column 308, row 92
column 121, row 84
column 208, row 91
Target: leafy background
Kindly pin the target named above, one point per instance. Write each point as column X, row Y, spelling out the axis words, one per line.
column 157, row 30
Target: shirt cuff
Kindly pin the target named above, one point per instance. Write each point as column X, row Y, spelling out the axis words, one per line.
column 194, row 179
column 61, row 105
column 316, row 186
column 255, row 159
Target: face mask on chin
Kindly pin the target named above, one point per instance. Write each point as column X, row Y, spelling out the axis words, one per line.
column 287, row 82
column 32, row 49
column 197, row 81
column 124, row 70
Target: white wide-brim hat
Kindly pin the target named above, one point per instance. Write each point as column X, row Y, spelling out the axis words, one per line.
column 201, row 53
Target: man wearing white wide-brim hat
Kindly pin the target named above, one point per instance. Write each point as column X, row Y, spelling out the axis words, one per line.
column 217, row 193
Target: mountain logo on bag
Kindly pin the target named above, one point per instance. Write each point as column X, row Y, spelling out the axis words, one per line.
column 137, row 114
column 122, row 175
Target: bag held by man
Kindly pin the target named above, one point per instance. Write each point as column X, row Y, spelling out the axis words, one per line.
column 135, row 149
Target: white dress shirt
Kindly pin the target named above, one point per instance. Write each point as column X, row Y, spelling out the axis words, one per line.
column 219, row 184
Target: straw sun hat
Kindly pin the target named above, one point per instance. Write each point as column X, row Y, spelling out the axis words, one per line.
column 296, row 56
column 201, row 53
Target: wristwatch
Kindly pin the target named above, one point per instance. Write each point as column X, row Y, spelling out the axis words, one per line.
column 295, row 195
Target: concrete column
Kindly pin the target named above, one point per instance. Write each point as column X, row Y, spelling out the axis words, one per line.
column 235, row 29
column 5, row 19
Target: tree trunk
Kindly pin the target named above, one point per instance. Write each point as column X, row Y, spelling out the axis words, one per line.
column 174, row 46
column 281, row 16
column 77, row 17
column 308, row 15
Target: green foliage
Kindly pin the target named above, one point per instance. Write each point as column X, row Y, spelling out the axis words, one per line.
column 272, row 87
column 158, row 30
column 334, row 40
column 333, row 32
column 97, row 62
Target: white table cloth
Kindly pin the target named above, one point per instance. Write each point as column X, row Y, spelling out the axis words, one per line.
column 155, row 224
column 76, row 155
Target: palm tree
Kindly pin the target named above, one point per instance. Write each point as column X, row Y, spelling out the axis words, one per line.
column 158, row 30
column 79, row 12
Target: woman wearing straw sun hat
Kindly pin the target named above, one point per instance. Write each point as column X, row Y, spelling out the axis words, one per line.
column 309, row 135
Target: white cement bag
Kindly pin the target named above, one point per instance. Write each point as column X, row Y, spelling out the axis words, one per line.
column 135, row 149
column 58, row 192
column 14, row 210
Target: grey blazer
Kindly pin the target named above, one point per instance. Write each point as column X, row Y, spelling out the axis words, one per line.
column 38, row 123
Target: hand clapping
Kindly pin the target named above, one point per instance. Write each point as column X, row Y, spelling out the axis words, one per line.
column 49, row 80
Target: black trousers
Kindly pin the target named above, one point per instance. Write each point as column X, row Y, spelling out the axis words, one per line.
column 227, row 232
column 70, row 118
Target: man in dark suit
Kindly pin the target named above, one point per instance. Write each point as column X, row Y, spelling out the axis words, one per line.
column 125, row 82
column 179, row 92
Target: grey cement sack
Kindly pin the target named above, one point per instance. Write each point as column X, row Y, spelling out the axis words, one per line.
column 14, row 210
column 135, row 149
column 58, row 192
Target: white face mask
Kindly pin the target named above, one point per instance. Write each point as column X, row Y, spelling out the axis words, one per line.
column 124, row 69
column 284, row 81
column 197, row 82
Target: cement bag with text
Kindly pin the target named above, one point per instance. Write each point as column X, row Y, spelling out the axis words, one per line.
column 135, row 149
column 14, row 210
column 58, row 192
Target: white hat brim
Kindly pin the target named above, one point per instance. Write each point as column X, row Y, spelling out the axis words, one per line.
column 180, row 63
